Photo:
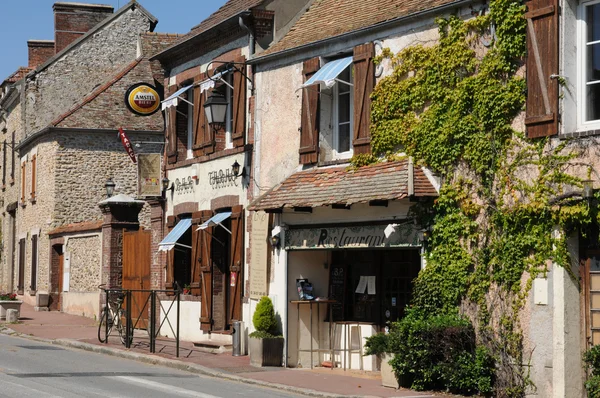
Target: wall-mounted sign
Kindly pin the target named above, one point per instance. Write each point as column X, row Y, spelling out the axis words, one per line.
column 149, row 182
column 222, row 178
column 142, row 99
column 351, row 237
column 127, row 144
column 184, row 185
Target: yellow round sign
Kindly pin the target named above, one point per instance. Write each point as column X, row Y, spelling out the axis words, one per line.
column 142, row 99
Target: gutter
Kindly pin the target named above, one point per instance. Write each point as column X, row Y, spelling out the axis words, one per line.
column 381, row 25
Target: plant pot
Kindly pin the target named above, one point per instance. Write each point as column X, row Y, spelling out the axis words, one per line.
column 9, row 305
column 388, row 377
column 266, row 352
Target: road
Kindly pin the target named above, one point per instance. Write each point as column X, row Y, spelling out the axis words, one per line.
column 32, row 369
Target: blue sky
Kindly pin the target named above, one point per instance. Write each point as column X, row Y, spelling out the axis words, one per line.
column 24, row 20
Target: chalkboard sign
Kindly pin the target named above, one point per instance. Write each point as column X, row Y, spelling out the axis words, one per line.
column 337, row 290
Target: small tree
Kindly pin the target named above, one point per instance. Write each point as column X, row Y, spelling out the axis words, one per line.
column 264, row 320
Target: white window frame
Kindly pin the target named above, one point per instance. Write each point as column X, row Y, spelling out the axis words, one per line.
column 190, row 122
column 336, row 123
column 228, row 117
column 582, row 102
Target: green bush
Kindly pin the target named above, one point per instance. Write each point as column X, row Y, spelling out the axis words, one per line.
column 592, row 359
column 264, row 320
column 439, row 353
column 378, row 344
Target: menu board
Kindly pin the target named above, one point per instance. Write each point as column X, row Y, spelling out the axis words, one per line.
column 337, row 290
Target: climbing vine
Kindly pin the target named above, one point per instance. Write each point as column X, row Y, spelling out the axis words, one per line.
column 452, row 106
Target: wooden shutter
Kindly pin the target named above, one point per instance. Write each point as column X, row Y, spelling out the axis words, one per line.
column 12, row 164
column 206, row 275
column 196, row 252
column 199, row 122
column 542, row 61
column 23, row 180
column 208, row 142
column 309, row 127
column 236, row 265
column 171, row 221
column 4, row 153
column 20, row 285
column 34, row 261
column 239, row 105
column 364, row 82
column 33, row 175
column 171, row 114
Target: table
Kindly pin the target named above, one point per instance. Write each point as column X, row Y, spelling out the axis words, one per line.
column 311, row 350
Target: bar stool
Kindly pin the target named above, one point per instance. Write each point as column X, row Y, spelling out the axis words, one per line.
column 346, row 330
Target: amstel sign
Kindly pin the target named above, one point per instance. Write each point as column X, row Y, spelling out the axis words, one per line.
column 142, row 99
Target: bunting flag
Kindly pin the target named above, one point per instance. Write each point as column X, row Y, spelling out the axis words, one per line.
column 127, row 144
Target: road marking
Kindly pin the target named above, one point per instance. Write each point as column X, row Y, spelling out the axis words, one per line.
column 163, row 387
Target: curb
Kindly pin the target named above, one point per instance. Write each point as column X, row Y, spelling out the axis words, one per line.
column 175, row 364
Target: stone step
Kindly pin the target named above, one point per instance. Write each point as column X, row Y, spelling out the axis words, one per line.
column 213, row 347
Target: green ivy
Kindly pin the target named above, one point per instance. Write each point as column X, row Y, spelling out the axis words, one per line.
column 451, row 106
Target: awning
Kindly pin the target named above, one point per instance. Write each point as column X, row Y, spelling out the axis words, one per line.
column 217, row 219
column 173, row 100
column 210, row 83
column 328, row 74
column 171, row 239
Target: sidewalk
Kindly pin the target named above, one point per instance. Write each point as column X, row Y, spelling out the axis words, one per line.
column 80, row 332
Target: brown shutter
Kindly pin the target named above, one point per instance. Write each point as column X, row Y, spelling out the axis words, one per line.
column 171, row 132
column 196, row 252
column 199, row 120
column 364, row 82
column 34, row 258
column 4, row 153
column 309, row 127
column 171, row 221
column 206, row 275
column 20, row 285
column 236, row 266
column 23, row 180
column 239, row 105
column 33, row 176
column 208, row 142
column 542, row 61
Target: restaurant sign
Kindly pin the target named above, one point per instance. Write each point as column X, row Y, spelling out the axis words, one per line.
column 352, row 237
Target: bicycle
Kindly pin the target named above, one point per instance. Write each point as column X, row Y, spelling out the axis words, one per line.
column 113, row 316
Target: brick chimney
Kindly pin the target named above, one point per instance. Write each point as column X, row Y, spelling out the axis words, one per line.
column 73, row 20
column 39, row 52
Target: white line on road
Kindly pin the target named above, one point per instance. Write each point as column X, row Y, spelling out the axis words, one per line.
column 163, row 387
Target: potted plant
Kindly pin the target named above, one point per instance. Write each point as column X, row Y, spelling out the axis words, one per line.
column 187, row 289
column 8, row 301
column 379, row 345
column 265, row 343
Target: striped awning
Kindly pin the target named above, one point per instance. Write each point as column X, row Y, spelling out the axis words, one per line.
column 328, row 74
column 173, row 99
column 171, row 239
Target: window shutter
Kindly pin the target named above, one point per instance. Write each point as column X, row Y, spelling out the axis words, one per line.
column 4, row 153
column 34, row 259
column 236, row 266
column 239, row 105
column 33, row 176
column 199, row 124
column 171, row 114
column 20, row 285
column 206, row 275
column 23, row 180
column 196, row 251
column 171, row 221
column 309, row 127
column 542, row 61
column 364, row 82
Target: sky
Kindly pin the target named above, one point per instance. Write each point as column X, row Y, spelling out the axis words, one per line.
column 24, row 20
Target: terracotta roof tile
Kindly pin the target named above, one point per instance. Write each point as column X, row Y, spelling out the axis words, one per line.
column 341, row 186
column 329, row 18
column 18, row 74
column 77, row 227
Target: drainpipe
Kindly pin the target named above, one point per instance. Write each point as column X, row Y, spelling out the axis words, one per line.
column 411, row 177
column 283, row 258
column 251, row 46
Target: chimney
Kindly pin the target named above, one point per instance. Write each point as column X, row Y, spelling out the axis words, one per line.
column 39, row 52
column 73, row 20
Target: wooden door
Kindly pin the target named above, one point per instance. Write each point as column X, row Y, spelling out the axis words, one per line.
column 136, row 273
column 591, row 284
column 220, row 276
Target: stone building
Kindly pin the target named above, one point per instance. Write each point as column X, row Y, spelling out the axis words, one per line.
column 72, row 107
column 208, row 244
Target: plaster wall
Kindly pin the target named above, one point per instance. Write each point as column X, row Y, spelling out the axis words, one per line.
column 189, row 325
column 82, row 304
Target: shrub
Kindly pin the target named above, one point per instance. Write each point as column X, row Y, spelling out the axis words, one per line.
column 264, row 320
column 378, row 344
column 592, row 359
column 439, row 353
column 8, row 296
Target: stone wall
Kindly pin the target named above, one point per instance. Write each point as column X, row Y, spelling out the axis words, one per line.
column 51, row 92
column 86, row 256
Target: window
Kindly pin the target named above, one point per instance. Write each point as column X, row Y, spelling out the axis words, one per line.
column 343, row 112
column 33, row 177
column 589, row 56
column 190, row 122
column 229, row 123
column 23, row 181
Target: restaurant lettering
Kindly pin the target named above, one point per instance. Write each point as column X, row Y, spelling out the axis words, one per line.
column 222, row 178
column 348, row 240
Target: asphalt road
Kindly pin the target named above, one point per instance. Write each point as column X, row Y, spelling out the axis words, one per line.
column 40, row 370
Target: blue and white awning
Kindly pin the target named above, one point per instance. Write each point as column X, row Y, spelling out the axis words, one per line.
column 217, row 219
column 173, row 99
column 328, row 74
column 172, row 237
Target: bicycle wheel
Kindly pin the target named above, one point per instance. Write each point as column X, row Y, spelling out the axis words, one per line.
column 102, row 327
column 120, row 324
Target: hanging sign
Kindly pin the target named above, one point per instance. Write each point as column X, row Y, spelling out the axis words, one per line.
column 142, row 99
column 127, row 144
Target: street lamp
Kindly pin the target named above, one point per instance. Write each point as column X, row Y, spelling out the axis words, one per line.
column 215, row 108
column 165, row 183
column 235, row 170
column 110, row 187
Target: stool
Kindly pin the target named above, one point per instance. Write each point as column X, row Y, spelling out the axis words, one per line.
column 348, row 350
